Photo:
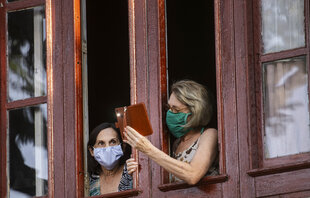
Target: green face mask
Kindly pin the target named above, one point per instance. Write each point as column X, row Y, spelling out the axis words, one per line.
column 175, row 123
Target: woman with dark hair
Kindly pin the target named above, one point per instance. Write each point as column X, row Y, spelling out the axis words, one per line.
column 107, row 155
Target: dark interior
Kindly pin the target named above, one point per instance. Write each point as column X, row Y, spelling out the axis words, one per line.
column 108, row 59
column 191, row 43
column 191, row 52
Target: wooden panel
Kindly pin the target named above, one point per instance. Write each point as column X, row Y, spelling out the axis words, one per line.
column 183, row 185
column 227, row 110
column 293, row 195
column 245, row 98
column 26, row 102
column 3, row 121
column 283, row 183
column 164, row 134
column 127, row 193
column 211, row 191
column 284, row 167
column 55, row 99
column 72, row 97
column 139, row 80
column 282, row 55
column 16, row 5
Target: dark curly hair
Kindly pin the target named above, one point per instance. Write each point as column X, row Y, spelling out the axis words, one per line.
column 94, row 168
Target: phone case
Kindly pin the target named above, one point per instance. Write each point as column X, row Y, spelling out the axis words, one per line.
column 134, row 116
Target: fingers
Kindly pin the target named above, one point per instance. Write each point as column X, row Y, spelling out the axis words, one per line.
column 132, row 132
column 129, row 140
column 136, row 140
column 132, row 165
column 131, row 136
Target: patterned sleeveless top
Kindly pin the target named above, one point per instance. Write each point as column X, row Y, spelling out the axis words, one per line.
column 125, row 183
column 188, row 155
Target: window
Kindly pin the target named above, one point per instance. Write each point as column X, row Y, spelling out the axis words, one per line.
column 188, row 36
column 24, row 100
column 107, row 71
column 282, row 81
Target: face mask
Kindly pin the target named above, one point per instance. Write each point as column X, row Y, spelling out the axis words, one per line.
column 175, row 123
column 108, row 156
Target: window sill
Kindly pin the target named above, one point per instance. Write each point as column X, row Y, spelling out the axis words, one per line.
column 278, row 169
column 127, row 193
column 182, row 185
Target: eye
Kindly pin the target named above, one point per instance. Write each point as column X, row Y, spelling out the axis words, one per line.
column 101, row 143
column 113, row 142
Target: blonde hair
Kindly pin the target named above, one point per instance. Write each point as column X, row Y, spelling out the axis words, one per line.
column 197, row 99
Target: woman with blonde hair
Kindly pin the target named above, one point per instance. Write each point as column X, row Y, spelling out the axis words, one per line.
column 195, row 152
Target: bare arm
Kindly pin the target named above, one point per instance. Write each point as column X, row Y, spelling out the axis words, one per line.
column 189, row 172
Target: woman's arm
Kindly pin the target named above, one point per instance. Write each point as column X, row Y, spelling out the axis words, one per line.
column 189, row 172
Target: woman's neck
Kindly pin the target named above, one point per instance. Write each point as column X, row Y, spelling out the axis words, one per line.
column 190, row 135
column 105, row 172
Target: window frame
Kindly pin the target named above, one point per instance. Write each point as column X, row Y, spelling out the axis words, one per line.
column 260, row 165
column 5, row 105
column 164, row 134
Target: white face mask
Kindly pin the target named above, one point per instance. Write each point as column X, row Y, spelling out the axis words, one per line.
column 108, row 156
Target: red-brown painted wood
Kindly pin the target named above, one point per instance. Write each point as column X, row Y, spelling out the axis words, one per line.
column 51, row 103
column 26, row 102
column 183, row 185
column 244, row 69
column 21, row 4
column 139, row 79
column 210, row 190
column 257, row 144
column 242, row 169
column 283, row 55
column 307, row 31
column 219, row 94
column 78, row 99
column 283, row 167
column 283, row 183
column 72, row 97
column 292, row 195
column 259, row 59
column 3, row 121
column 164, row 135
column 127, row 193
column 229, row 98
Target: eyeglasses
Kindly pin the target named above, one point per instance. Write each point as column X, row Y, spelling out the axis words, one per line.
column 174, row 109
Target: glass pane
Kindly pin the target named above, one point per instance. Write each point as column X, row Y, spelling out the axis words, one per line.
column 28, row 159
column 27, row 51
column 282, row 25
column 286, row 107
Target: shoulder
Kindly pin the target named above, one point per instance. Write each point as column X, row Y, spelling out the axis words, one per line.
column 209, row 132
column 208, row 135
column 94, row 185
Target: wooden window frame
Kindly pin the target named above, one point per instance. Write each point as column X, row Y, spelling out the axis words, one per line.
column 5, row 105
column 164, row 135
column 260, row 165
column 133, row 17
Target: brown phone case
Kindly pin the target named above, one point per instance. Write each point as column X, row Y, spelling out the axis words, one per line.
column 134, row 116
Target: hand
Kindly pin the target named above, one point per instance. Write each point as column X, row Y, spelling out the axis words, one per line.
column 132, row 165
column 136, row 140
